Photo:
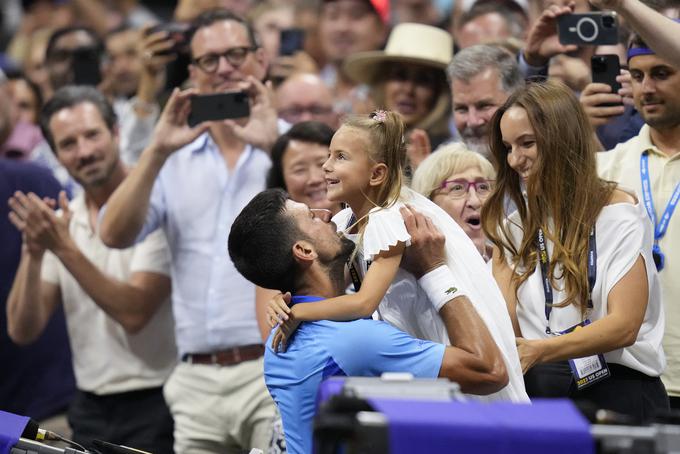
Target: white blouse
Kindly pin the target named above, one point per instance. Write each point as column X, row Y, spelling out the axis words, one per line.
column 623, row 233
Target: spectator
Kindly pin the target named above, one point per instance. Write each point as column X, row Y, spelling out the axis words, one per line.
column 408, row 77
column 224, row 407
column 116, row 302
column 123, row 64
column 482, row 78
column 650, row 160
column 347, row 27
column 304, row 97
column 459, row 181
column 17, row 137
column 490, row 22
column 268, row 19
column 586, row 245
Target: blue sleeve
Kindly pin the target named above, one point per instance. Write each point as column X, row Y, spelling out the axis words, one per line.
column 370, row 347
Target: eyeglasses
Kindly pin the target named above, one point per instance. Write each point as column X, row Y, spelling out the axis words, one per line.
column 460, row 188
column 296, row 112
column 235, row 56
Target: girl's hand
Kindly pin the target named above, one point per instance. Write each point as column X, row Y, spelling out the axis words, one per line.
column 530, row 352
column 284, row 333
column 277, row 309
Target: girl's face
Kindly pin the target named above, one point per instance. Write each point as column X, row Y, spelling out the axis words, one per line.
column 410, row 90
column 519, row 140
column 465, row 208
column 302, row 173
column 348, row 167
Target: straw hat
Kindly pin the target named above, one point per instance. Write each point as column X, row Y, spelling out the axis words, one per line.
column 408, row 43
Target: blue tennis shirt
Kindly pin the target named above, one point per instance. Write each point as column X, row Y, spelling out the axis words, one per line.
column 323, row 349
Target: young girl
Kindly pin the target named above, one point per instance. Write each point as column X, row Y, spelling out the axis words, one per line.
column 365, row 170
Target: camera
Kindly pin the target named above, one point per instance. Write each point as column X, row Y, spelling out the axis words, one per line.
column 178, row 32
column 588, row 29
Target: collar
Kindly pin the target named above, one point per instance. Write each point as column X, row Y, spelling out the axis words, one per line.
column 645, row 142
column 79, row 209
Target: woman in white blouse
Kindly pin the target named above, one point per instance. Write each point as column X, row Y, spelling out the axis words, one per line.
column 574, row 261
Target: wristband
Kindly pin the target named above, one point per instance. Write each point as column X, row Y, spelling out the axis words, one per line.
column 440, row 286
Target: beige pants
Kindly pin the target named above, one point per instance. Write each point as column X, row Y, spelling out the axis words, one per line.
column 220, row 409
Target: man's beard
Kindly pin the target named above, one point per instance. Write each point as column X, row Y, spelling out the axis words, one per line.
column 668, row 120
column 476, row 143
column 336, row 264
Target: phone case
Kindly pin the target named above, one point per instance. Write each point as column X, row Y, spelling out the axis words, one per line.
column 218, row 106
column 588, row 29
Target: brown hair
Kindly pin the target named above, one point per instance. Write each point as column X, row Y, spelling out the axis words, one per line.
column 387, row 145
column 564, row 194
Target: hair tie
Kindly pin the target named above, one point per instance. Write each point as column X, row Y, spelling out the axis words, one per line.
column 379, row 115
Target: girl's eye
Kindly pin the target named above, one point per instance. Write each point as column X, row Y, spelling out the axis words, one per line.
column 528, row 144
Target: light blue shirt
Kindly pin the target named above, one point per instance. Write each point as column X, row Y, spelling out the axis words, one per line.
column 195, row 199
column 322, row 349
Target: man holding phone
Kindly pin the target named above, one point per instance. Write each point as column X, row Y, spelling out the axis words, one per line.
column 193, row 181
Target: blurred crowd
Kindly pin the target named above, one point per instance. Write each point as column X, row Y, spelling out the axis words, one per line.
column 124, row 318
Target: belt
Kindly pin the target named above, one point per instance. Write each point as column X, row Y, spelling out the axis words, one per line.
column 228, row 357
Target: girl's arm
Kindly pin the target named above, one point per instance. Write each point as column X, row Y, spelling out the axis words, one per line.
column 363, row 303
column 626, row 307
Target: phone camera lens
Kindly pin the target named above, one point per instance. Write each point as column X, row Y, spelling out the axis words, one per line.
column 608, row 21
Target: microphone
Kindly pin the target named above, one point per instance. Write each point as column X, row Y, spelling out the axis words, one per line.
column 32, row 431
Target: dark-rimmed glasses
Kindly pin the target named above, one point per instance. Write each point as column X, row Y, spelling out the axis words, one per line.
column 211, row 61
column 459, row 188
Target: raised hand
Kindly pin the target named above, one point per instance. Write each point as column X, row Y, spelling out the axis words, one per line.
column 593, row 98
column 542, row 42
column 418, row 147
column 261, row 128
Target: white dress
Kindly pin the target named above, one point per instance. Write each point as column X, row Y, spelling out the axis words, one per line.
column 405, row 304
column 623, row 232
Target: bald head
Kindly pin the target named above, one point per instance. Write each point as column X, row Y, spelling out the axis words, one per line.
column 304, row 97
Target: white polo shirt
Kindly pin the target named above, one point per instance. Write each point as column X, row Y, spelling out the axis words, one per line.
column 107, row 359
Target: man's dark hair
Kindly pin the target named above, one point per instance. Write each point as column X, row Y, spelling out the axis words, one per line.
column 261, row 242
column 513, row 14
column 71, row 96
column 212, row 16
column 97, row 43
column 307, row 131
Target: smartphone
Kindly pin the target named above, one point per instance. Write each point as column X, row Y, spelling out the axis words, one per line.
column 292, row 41
column 218, row 106
column 604, row 69
column 588, row 29
column 178, row 32
column 86, row 66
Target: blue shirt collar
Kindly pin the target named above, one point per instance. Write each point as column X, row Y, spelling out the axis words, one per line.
column 305, row 299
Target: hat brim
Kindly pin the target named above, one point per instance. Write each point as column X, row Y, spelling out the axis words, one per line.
column 364, row 67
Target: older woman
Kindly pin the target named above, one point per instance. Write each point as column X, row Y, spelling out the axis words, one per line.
column 459, row 181
column 409, row 77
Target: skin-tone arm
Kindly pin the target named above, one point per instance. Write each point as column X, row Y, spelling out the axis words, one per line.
column 128, row 205
column 658, row 31
column 502, row 273
column 131, row 303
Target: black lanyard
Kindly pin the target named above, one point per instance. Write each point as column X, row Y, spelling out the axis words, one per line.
column 544, row 260
column 353, row 272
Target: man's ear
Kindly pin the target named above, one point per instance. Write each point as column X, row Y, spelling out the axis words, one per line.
column 304, row 253
column 378, row 174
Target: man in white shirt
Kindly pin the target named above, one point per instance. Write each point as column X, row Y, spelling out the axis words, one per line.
column 115, row 301
column 650, row 164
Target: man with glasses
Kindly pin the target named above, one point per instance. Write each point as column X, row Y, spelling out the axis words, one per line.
column 193, row 181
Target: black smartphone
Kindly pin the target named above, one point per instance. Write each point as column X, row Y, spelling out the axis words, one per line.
column 218, row 106
column 292, row 41
column 588, row 29
column 178, row 32
column 604, row 69
column 86, row 66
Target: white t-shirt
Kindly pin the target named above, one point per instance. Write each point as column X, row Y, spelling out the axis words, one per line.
column 406, row 305
column 623, row 233
column 107, row 359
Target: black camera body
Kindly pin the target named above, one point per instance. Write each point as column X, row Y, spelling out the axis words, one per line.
column 179, row 32
column 590, row 29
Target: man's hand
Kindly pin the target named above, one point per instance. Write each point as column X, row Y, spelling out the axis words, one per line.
column 530, row 352
column 418, row 147
column 592, row 99
column 172, row 131
column 41, row 228
column 154, row 51
column 427, row 243
column 261, row 130
column 542, row 41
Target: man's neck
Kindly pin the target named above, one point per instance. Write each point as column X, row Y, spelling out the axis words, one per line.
column 229, row 145
column 321, row 281
column 667, row 140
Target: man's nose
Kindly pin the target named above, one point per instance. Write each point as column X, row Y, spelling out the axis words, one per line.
column 475, row 118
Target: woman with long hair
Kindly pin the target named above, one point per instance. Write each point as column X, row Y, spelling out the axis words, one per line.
column 574, row 261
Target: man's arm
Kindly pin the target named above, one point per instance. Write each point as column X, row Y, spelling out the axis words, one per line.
column 473, row 359
column 127, row 207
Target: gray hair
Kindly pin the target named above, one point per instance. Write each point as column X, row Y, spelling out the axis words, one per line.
column 472, row 60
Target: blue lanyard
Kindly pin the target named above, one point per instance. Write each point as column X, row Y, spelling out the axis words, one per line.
column 659, row 229
column 544, row 260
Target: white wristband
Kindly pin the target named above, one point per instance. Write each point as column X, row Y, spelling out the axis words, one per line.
column 440, row 286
